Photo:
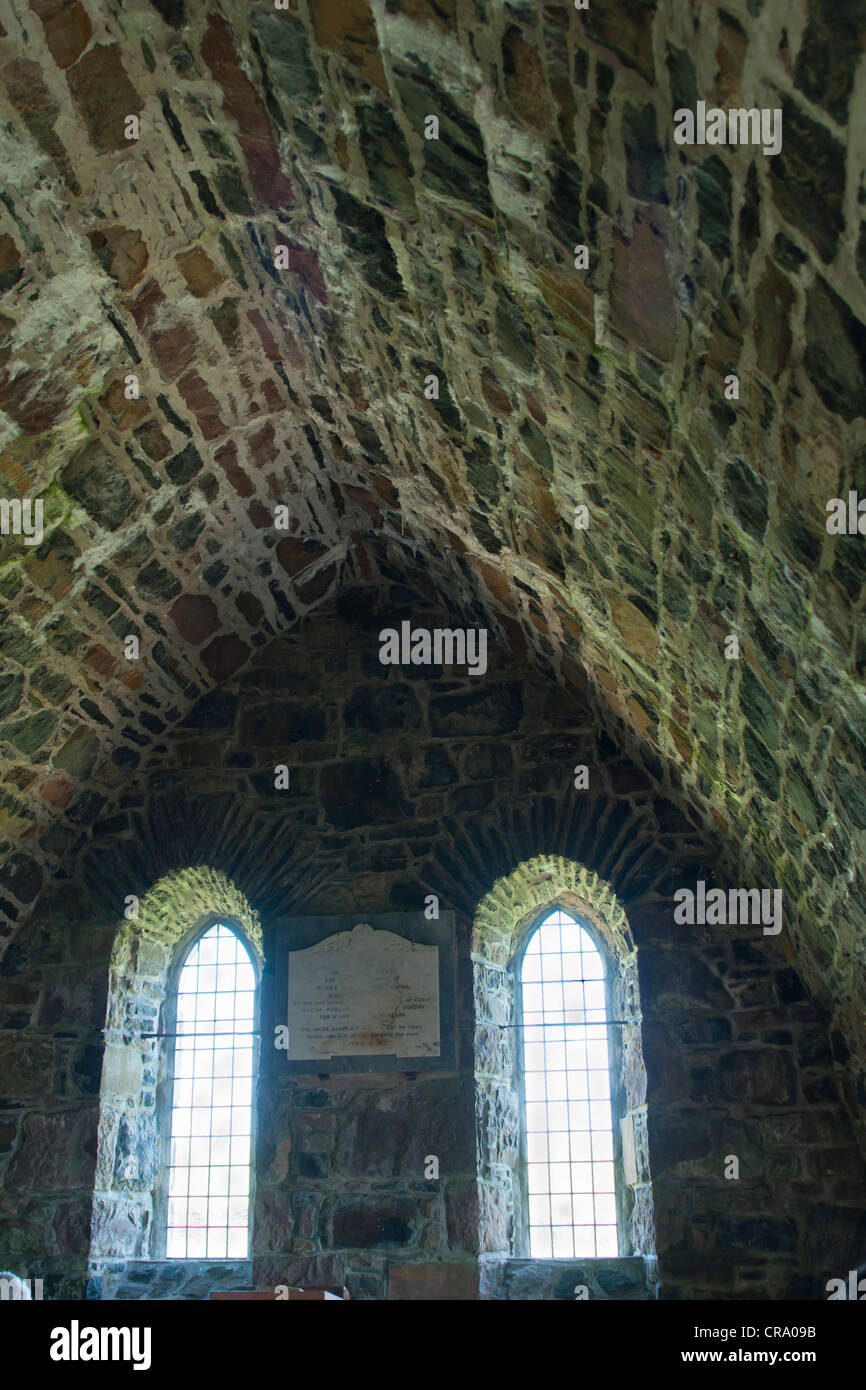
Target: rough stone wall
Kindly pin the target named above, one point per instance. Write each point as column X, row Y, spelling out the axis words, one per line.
column 405, row 782
column 405, row 256
column 739, row 1063
column 166, row 1279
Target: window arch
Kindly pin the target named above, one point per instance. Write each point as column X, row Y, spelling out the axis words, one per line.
column 209, row 1093
column 130, row 1199
column 567, row 1121
column 505, row 947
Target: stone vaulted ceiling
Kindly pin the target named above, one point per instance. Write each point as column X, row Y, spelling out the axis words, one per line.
column 304, row 385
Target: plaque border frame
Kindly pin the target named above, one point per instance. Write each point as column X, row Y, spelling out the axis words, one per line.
column 296, row 933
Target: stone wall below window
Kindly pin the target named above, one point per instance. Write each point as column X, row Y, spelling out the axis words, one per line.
column 626, row 1279
column 166, row 1279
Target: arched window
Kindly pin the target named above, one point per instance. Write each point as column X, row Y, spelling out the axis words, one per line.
column 560, row 1082
column 567, row 1116
column 170, row 927
column 212, row 1015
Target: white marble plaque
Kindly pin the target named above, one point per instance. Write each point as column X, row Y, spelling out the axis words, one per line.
column 363, row 993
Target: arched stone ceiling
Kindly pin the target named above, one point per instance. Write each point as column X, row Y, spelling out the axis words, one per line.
column 303, row 386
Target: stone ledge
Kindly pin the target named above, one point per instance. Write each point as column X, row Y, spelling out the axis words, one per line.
column 165, row 1279
column 620, row 1279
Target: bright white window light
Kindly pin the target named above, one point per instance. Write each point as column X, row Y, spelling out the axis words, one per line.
column 212, row 1101
column 568, row 1118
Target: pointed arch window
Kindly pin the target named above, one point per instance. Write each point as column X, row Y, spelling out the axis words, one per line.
column 570, row 1170
column 212, row 1010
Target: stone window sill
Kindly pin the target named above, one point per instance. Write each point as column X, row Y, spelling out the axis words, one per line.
column 613, row 1278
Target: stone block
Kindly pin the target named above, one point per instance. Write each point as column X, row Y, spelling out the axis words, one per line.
column 462, row 1213
column 497, row 709
column 758, row 1077
column 641, row 300
column 75, row 1002
column 677, row 1139
column 104, row 95
column 68, row 29
column 436, row 1280
column 671, row 978
column 363, row 791
column 349, row 28
column 366, row 1222
column 309, row 1271
column 835, row 1233
column 274, row 1226
column 516, row 1280
column 382, row 1137
column 26, row 1067
column 120, row 1225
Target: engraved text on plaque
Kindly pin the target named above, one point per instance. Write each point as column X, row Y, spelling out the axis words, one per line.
column 363, row 993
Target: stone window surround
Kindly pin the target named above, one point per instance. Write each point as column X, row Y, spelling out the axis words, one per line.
column 135, row 1090
column 505, row 920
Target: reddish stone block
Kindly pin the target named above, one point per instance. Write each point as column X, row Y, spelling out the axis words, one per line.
column 58, row 792
column 318, row 584
column 199, row 271
column 121, row 253
column 125, row 414
column 67, row 27
column 224, row 656
column 195, row 616
column 295, row 556
column 361, row 1223
column 249, row 606
column 261, row 448
column 244, row 105
column 436, row 1280
column 570, row 301
column 269, row 342
column 175, row 349
column 101, row 661
column 146, row 304
column 34, row 400
column 50, row 567
column 226, row 457
column 305, row 263
column 58, row 1151
column 203, row 405
column 104, row 95
column 364, row 500
column 642, row 303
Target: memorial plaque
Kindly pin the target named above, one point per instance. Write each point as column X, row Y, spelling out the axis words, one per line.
column 364, row 992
